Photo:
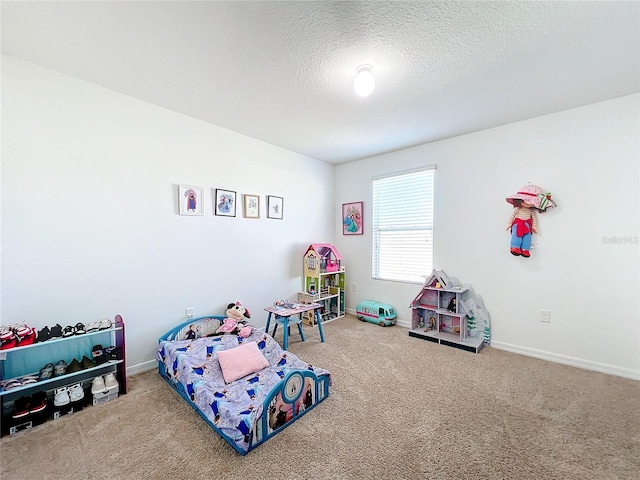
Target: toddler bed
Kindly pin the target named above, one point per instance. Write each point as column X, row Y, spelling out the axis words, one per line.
column 247, row 389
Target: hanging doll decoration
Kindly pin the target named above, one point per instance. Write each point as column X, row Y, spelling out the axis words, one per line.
column 523, row 222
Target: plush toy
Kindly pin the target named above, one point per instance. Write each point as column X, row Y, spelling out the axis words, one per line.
column 235, row 322
column 523, row 222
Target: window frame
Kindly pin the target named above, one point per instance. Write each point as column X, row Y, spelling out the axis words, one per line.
column 378, row 269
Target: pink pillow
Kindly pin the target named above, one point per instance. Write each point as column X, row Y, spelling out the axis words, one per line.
column 241, row 361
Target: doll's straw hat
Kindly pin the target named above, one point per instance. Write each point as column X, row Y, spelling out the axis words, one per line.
column 535, row 196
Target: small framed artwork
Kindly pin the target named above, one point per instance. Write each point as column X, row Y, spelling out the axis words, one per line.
column 274, row 207
column 190, row 200
column 251, row 206
column 352, row 218
column 225, row 203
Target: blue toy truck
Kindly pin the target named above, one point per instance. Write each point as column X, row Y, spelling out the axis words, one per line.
column 375, row 312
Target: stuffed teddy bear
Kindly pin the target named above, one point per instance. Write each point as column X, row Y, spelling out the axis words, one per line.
column 235, row 322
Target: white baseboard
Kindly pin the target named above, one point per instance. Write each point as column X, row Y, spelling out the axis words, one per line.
column 566, row 360
column 142, row 367
column 552, row 357
column 530, row 352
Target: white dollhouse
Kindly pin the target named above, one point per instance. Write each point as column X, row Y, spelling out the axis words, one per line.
column 449, row 313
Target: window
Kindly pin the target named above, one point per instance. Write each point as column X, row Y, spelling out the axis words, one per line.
column 402, row 227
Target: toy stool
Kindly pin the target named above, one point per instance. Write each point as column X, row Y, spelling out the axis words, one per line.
column 286, row 323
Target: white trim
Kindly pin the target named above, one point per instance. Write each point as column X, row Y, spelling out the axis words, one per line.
column 566, row 360
column 404, row 172
column 142, row 367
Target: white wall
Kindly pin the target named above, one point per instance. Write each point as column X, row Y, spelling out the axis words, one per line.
column 89, row 223
column 89, row 211
column 588, row 158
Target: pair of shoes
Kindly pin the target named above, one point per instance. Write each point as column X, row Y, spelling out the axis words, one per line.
column 25, row 406
column 83, row 364
column 103, row 324
column 12, row 383
column 69, row 331
column 17, row 335
column 516, row 251
column 99, row 355
column 104, row 384
column 65, row 395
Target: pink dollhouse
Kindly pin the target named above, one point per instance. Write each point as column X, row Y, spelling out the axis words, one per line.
column 450, row 313
column 321, row 258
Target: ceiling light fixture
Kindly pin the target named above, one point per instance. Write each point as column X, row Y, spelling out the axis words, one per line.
column 364, row 82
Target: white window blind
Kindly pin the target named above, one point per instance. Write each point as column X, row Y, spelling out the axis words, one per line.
column 402, row 229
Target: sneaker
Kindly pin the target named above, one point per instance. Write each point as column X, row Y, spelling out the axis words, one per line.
column 110, row 381
column 6, row 334
column 38, row 402
column 76, row 392
column 68, row 331
column 28, row 338
column 87, row 363
column 10, row 384
column 8, row 338
column 43, row 335
column 56, row 331
column 79, row 329
column 28, row 380
column 113, row 353
column 92, row 327
column 61, row 397
column 74, row 366
column 21, row 407
column 46, row 372
column 60, row 368
column 98, row 386
column 98, row 355
column 105, row 324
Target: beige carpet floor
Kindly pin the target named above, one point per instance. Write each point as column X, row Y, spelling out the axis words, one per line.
column 399, row 408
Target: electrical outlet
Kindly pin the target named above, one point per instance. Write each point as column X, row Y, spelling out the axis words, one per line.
column 354, row 287
column 545, row 316
column 189, row 312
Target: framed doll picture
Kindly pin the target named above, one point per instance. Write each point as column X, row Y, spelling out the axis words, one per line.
column 225, row 203
column 352, row 218
column 190, row 200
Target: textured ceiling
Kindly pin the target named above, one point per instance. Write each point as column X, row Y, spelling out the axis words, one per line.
column 282, row 72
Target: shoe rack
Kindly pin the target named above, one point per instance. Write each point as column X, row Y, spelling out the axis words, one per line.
column 19, row 362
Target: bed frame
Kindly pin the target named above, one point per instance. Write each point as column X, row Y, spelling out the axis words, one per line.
column 288, row 390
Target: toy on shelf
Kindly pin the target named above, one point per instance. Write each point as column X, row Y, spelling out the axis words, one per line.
column 523, row 221
column 447, row 312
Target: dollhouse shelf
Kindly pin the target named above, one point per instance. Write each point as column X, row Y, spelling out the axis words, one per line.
column 449, row 313
column 324, row 282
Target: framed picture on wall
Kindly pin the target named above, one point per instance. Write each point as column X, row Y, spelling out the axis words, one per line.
column 352, row 218
column 225, row 203
column 275, row 206
column 190, row 200
column 251, row 206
